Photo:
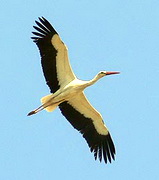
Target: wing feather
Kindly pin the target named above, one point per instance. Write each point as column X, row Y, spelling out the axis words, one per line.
column 54, row 56
column 83, row 117
column 81, row 104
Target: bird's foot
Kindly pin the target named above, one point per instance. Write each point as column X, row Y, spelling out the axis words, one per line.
column 31, row 113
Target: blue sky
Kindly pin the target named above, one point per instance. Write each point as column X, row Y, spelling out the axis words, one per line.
column 100, row 35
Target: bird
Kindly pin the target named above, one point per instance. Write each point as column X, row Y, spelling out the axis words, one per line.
column 67, row 92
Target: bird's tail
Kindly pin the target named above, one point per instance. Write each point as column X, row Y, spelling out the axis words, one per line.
column 46, row 99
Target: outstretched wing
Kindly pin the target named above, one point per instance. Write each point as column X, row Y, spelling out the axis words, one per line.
column 54, row 55
column 83, row 117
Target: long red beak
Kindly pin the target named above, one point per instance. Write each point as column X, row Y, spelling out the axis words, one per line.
column 112, row 72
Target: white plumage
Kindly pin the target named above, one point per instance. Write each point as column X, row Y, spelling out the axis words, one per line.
column 67, row 92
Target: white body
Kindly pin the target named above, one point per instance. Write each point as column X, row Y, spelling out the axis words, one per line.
column 73, row 93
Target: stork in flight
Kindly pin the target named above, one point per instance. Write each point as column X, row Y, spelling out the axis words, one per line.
column 67, row 92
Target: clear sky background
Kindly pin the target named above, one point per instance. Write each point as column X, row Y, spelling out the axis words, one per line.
column 117, row 35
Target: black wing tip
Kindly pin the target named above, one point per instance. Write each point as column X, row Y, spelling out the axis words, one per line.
column 41, row 18
column 105, row 150
column 43, row 29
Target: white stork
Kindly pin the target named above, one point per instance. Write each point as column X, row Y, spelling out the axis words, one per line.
column 67, row 92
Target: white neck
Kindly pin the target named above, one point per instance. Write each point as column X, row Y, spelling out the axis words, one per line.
column 94, row 80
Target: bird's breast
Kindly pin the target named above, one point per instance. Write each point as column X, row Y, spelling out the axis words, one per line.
column 71, row 90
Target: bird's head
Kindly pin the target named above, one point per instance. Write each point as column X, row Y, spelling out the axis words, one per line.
column 106, row 73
